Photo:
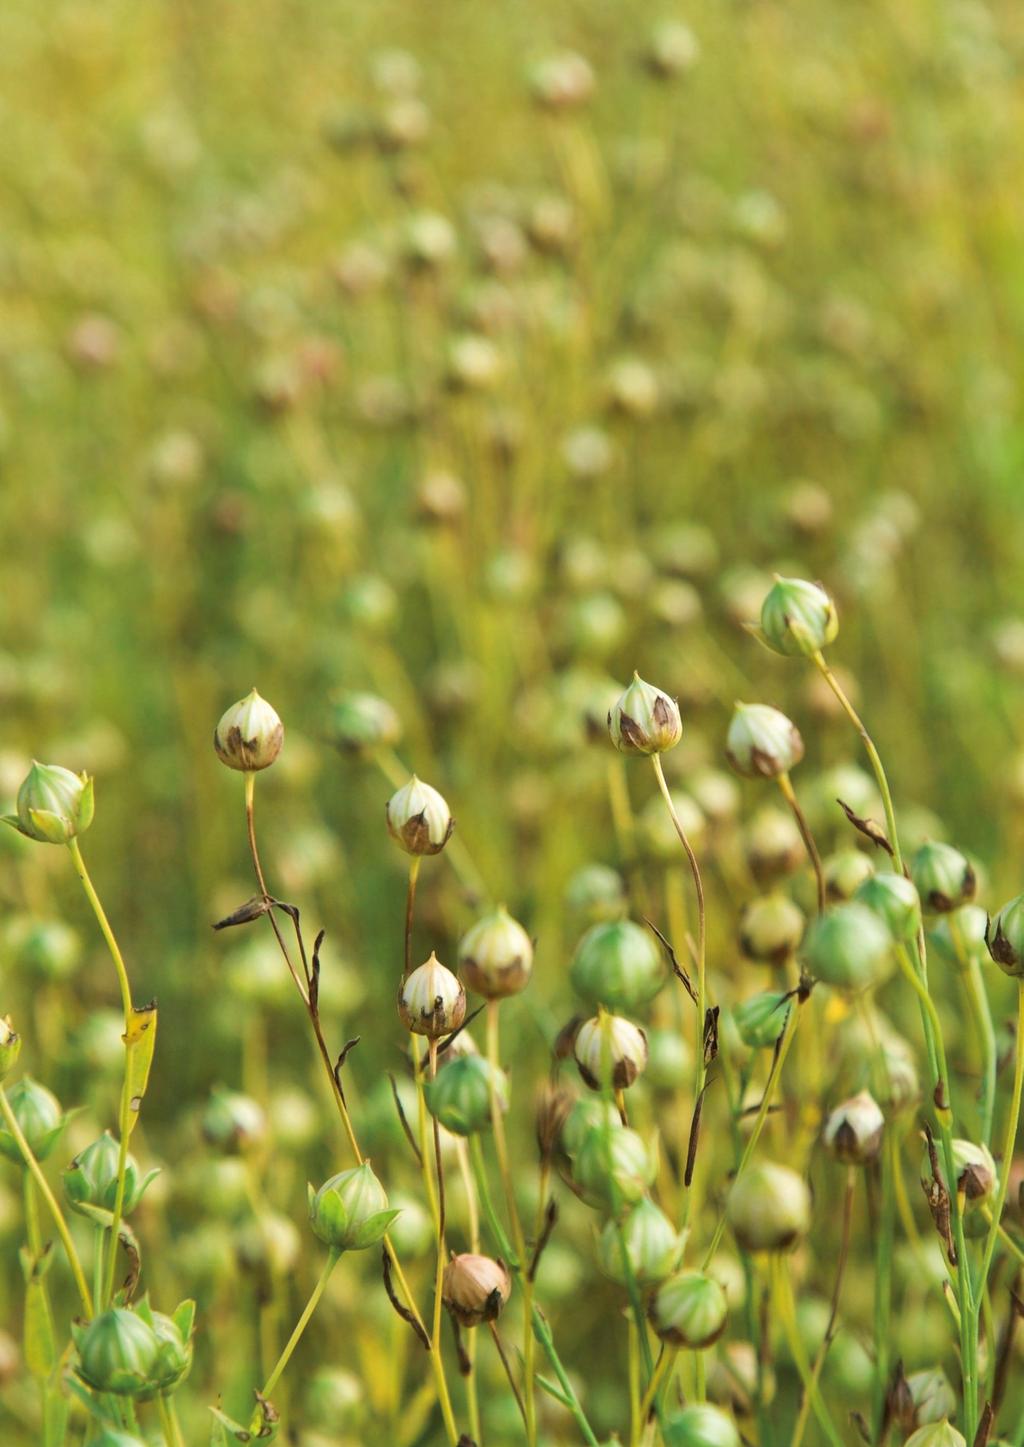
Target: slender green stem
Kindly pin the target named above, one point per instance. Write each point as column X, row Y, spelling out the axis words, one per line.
column 124, row 1122
column 333, row 1257
column 436, row 1361
column 32, row 1165
column 789, row 794
column 826, row 1341
column 789, row 1030
column 666, row 1361
column 787, row 1315
column 698, row 885
column 981, row 1012
column 883, row 1281
column 1012, row 1124
column 541, row 1329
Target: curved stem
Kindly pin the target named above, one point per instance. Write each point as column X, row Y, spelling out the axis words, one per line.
column 32, row 1165
column 1012, row 1123
column 124, row 1117
column 333, row 1257
column 789, row 794
column 410, row 909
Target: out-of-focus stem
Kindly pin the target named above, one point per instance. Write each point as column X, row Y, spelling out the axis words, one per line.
column 789, row 794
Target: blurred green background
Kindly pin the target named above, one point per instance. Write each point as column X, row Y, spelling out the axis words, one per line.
column 392, row 348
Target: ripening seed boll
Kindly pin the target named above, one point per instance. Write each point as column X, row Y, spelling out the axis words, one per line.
column 362, row 722
column 562, row 82
column 617, row 965
column 597, row 893
column 762, row 743
column 960, row 935
column 645, row 1246
column 1004, row 936
column 936, row 1434
column 733, row 1377
column 669, row 1059
column 460, row 1096
column 232, row 1121
column 844, row 872
column 927, row 1398
column 249, row 735
column 496, row 956
column 40, row 1119
column 689, row 1310
column 700, row 1425
column 772, row 845
column 174, row 1354
column 610, row 1051
column 644, row 720
column 771, row 929
column 269, row 1244
column 335, row 1399
column 54, row 805
column 894, row 898
column 613, row 1168
column 848, row 948
column 716, row 795
column 976, row 1178
column 769, row 1208
column 418, row 818
column 672, row 49
column 658, row 836
column 853, row 1131
column 944, row 877
column 584, row 1116
column 118, row 1353
column 350, row 1210
column 475, row 1288
column 761, row 1019
column 10, row 1047
column 431, row 1001
column 46, row 947
column 91, row 1178
column 798, row 618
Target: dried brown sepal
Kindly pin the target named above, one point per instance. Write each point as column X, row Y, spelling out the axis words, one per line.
column 868, row 828
column 694, row 1138
column 565, row 1040
column 252, row 909
column 403, row 1121
column 899, row 1403
column 677, row 968
column 550, row 1220
column 553, row 1107
column 403, row 1311
column 984, row 1426
column 1004, row 1355
column 937, row 1197
column 710, row 1034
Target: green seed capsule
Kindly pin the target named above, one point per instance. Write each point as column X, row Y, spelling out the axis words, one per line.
column 461, row 1093
column 701, row 1425
column 644, row 1246
column 931, row 1398
column 644, row 720
column 798, row 618
column 762, row 743
column 597, row 893
column 232, row 1121
column 350, row 1210
column 944, row 877
column 689, row 1310
column 610, row 1051
column 771, row 929
column 894, row 898
column 769, row 1208
column 936, row 1434
column 174, row 1355
column 118, row 1352
column 761, row 1019
column 54, row 805
column 613, row 1168
column 362, row 722
column 849, row 948
column 844, row 872
column 91, row 1178
column 39, row 1116
column 618, row 965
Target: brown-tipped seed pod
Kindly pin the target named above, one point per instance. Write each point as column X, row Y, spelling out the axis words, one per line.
column 689, row 1310
column 771, row 929
column 249, row 735
column 769, row 1208
column 944, row 877
column 475, row 1288
column 610, row 1050
column 553, row 1107
column 853, row 1132
column 644, row 720
column 496, row 955
column 431, row 1001
column 762, row 743
column 419, row 818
